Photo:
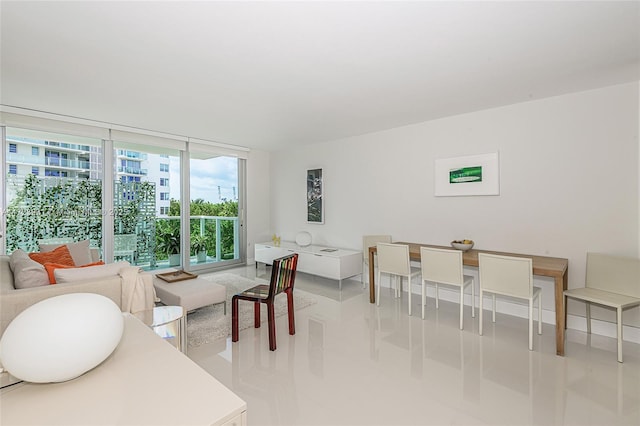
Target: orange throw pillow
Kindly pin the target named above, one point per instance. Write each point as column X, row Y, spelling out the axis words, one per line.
column 60, row 256
column 51, row 267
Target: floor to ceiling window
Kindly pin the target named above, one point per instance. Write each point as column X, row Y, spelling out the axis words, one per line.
column 53, row 189
column 146, row 231
column 214, row 219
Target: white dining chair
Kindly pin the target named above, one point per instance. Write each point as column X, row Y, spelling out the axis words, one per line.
column 509, row 276
column 370, row 241
column 444, row 266
column 393, row 259
column 612, row 282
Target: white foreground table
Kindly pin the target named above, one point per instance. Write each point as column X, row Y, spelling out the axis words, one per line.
column 145, row 381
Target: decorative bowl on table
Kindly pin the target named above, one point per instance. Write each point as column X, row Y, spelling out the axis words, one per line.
column 463, row 245
column 303, row 238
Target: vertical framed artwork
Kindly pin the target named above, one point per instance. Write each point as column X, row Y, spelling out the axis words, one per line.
column 315, row 197
column 468, row 175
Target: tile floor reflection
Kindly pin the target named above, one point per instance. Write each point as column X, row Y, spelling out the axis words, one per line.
column 351, row 363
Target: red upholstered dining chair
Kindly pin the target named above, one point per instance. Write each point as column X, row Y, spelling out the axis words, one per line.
column 283, row 275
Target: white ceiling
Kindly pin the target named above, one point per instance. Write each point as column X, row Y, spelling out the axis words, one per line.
column 268, row 75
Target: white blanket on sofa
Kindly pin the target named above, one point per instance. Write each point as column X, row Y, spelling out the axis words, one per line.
column 138, row 293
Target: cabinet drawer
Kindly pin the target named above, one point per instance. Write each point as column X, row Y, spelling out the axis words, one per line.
column 316, row 264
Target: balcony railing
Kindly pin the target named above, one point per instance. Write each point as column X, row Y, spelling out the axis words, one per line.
column 219, row 222
column 64, row 207
column 71, row 147
column 132, row 171
column 132, row 154
column 48, row 161
column 223, row 233
column 67, row 164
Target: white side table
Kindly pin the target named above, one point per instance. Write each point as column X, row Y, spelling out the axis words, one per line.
column 162, row 318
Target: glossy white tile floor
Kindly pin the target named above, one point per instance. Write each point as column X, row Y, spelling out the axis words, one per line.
column 351, row 363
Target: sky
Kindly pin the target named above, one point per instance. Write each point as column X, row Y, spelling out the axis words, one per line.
column 206, row 177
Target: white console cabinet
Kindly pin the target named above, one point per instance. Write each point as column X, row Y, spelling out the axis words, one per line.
column 328, row 262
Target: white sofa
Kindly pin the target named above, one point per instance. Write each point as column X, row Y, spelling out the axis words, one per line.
column 13, row 301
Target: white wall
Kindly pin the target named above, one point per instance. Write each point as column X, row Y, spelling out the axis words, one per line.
column 258, row 197
column 568, row 172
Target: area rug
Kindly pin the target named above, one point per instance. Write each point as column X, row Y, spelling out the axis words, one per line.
column 209, row 323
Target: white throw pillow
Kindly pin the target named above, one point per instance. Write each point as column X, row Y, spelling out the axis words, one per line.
column 16, row 256
column 27, row 272
column 79, row 251
column 69, row 275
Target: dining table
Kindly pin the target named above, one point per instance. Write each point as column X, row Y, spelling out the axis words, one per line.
column 554, row 267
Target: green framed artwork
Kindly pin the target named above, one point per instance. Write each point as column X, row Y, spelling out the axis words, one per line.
column 467, row 175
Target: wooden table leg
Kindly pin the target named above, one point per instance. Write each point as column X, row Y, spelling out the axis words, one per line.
column 561, row 315
column 372, row 285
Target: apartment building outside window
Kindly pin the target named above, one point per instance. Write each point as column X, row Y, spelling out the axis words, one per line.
column 13, row 169
column 49, row 194
column 164, row 167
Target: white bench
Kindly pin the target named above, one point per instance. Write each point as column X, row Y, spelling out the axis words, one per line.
column 611, row 281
